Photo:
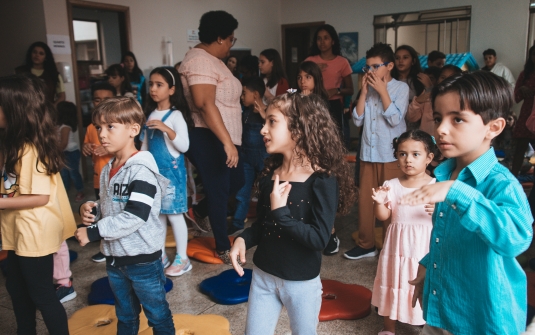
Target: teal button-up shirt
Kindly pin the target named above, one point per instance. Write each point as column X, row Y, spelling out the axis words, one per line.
column 473, row 284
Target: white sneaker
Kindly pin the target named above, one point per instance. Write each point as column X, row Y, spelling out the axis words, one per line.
column 179, row 267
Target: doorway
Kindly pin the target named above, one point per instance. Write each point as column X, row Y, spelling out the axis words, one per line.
column 296, row 39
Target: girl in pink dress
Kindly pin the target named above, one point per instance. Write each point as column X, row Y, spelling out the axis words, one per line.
column 407, row 237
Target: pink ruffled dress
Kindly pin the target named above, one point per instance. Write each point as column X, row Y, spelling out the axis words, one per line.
column 406, row 243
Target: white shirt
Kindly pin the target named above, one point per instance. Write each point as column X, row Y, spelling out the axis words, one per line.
column 501, row 70
column 176, row 122
column 72, row 144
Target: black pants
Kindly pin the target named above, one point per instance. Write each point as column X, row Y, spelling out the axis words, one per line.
column 336, row 109
column 219, row 181
column 30, row 285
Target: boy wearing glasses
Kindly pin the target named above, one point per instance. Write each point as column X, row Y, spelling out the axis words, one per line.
column 381, row 109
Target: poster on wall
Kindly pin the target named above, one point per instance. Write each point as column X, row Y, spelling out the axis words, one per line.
column 59, row 44
column 349, row 45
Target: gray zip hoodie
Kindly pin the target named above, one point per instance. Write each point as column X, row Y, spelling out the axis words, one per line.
column 129, row 208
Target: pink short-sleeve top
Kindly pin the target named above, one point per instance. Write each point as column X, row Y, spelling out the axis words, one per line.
column 200, row 67
column 333, row 72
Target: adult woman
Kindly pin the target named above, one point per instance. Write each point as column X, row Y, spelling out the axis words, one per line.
column 213, row 94
column 325, row 51
column 40, row 62
column 272, row 71
column 137, row 79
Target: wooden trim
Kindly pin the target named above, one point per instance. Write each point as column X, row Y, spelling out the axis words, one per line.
column 98, row 5
column 294, row 25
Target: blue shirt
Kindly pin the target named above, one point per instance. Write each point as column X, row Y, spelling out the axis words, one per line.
column 382, row 126
column 473, row 284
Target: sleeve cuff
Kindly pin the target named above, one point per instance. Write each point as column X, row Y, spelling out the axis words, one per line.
column 356, row 116
column 93, row 234
column 424, row 261
column 280, row 212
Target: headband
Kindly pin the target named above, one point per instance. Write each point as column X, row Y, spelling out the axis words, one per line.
column 171, row 76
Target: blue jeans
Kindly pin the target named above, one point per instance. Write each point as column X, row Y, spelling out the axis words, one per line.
column 269, row 293
column 72, row 170
column 140, row 284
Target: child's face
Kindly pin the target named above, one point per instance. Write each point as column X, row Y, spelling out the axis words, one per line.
column 305, row 81
column 129, row 63
column 231, row 63
column 247, row 97
column 375, row 65
column 115, row 80
column 412, row 157
column 264, row 65
column 438, row 62
column 3, row 123
column 101, row 95
column 159, row 89
column 115, row 137
column 490, row 61
column 445, row 74
column 403, row 60
column 277, row 136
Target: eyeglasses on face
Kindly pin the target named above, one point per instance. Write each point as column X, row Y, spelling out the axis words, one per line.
column 374, row 67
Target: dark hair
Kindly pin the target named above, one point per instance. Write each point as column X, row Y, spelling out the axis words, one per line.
column 416, row 68
column 317, row 140
column 382, row 50
column 136, row 71
column 122, row 110
column 482, row 92
column 67, row 115
column 177, row 100
column 277, row 72
column 314, row 70
column 50, row 70
column 529, row 67
column 216, row 24
column 450, row 67
column 255, row 84
column 103, row 86
column 118, row 70
column 433, row 71
column 491, row 52
column 434, row 55
column 314, row 50
column 29, row 121
column 249, row 63
column 417, row 135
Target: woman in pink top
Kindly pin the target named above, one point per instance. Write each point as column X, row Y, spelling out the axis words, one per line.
column 213, row 95
column 325, row 51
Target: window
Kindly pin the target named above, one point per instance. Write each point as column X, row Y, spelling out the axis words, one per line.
column 87, row 41
column 531, row 31
column 446, row 30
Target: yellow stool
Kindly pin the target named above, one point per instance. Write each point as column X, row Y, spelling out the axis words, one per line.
column 99, row 320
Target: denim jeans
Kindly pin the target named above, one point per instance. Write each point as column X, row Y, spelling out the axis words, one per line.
column 269, row 293
column 72, row 170
column 140, row 284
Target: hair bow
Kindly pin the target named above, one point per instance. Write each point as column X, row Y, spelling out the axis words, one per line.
column 291, row 90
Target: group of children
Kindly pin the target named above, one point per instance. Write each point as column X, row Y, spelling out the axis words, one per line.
column 451, row 244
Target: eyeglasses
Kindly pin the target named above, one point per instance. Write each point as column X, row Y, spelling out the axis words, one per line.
column 234, row 39
column 373, row 67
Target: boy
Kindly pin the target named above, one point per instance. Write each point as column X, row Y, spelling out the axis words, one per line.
column 497, row 68
column 100, row 157
column 482, row 221
column 381, row 109
column 436, row 58
column 253, row 147
column 129, row 226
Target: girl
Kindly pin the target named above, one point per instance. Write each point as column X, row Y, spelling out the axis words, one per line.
column 407, row 68
column 295, row 217
column 137, row 79
column 36, row 216
column 40, row 62
column 165, row 135
column 272, row 71
column 232, row 64
column 118, row 78
column 310, row 80
column 407, row 237
column 67, row 123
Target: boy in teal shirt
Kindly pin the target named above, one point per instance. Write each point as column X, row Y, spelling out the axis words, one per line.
column 470, row 279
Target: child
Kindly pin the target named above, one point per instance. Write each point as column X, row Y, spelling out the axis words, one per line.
column 118, row 78
column 67, row 123
column 128, row 223
column 295, row 217
column 407, row 237
column 92, row 147
column 420, row 110
column 137, row 79
column 36, row 217
column 448, row 71
column 380, row 109
column 272, row 71
column 482, row 221
column 165, row 136
column 310, row 80
column 253, row 150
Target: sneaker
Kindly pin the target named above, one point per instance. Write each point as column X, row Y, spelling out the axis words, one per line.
column 179, row 267
column 358, row 253
column 333, row 246
column 65, row 293
column 98, row 258
column 165, row 261
column 225, row 257
column 233, row 230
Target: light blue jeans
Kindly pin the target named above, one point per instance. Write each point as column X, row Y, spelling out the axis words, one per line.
column 268, row 294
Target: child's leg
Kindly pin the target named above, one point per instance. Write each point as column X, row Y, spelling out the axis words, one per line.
column 62, row 272
column 180, row 232
column 30, row 286
column 127, row 305
column 389, row 324
column 73, row 164
column 302, row 300
column 244, row 195
column 264, row 305
column 368, row 180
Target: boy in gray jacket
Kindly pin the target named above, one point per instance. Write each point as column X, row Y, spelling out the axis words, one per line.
column 127, row 213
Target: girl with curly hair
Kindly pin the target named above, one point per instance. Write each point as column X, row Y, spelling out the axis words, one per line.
column 305, row 184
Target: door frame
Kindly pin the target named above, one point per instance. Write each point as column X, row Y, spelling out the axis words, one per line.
column 294, row 25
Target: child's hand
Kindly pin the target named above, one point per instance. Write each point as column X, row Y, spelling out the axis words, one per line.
column 429, row 208
column 85, row 213
column 427, row 194
column 424, row 79
column 238, row 250
column 306, row 92
column 379, row 84
column 81, row 236
column 99, row 150
column 157, row 124
column 418, row 283
column 87, row 149
column 379, row 195
column 279, row 195
column 259, row 110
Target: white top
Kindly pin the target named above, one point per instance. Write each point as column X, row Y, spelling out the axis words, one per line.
column 72, row 144
column 272, row 90
column 176, row 122
column 501, row 70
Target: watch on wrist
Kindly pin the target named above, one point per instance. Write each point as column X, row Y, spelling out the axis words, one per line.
column 338, row 91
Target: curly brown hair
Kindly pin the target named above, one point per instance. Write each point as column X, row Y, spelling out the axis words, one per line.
column 317, row 141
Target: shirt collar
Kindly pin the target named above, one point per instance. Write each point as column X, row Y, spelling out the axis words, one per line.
column 478, row 169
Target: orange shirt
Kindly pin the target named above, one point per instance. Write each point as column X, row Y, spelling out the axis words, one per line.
column 91, row 136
